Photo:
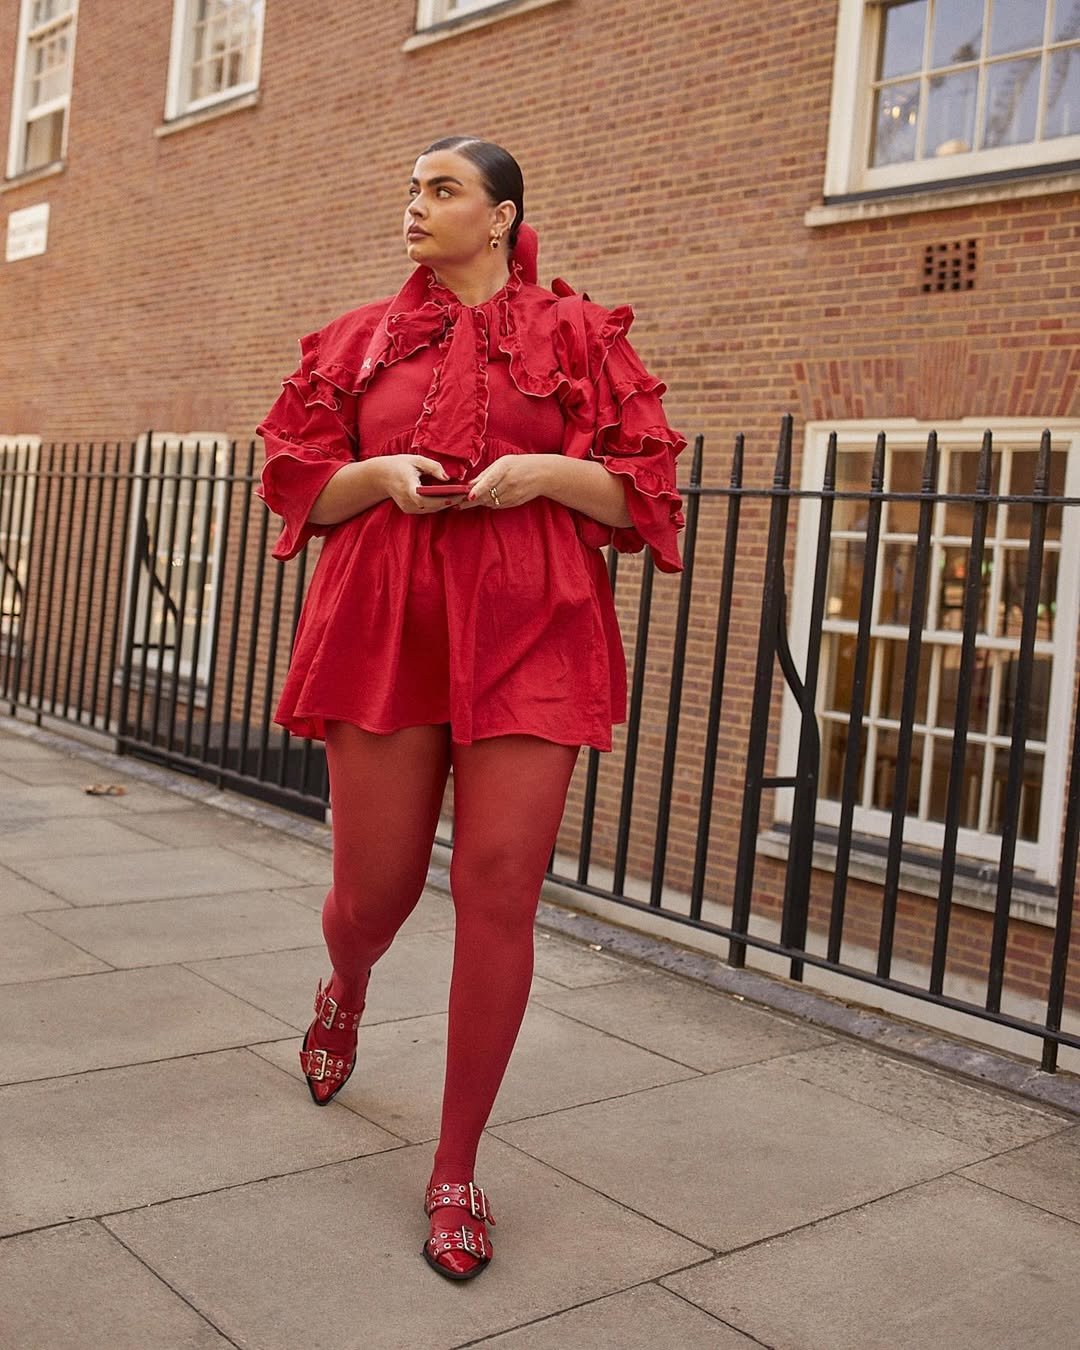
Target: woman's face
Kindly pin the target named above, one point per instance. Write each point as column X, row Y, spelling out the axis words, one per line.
column 449, row 218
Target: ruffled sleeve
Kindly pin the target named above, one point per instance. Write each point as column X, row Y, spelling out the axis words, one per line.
column 615, row 416
column 309, row 433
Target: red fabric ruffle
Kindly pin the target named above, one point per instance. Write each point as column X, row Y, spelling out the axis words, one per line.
column 556, row 342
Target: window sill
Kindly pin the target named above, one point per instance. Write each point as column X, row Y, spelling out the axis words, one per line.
column 941, row 199
column 465, row 23
column 183, row 692
column 1031, row 902
column 33, row 176
column 194, row 119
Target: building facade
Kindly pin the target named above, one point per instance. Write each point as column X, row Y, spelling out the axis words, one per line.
column 863, row 212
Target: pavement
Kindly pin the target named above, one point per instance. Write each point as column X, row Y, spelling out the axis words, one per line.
column 670, row 1165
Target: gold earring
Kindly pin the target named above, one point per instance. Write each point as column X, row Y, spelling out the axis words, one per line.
column 494, row 241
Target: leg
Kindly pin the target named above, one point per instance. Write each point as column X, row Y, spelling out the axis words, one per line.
column 509, row 796
column 385, row 795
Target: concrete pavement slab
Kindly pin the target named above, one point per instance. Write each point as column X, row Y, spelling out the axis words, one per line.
column 186, row 829
column 411, row 980
column 988, row 1120
column 696, row 1026
column 77, row 1288
column 55, row 1027
column 354, row 1235
column 291, row 857
column 1046, row 1174
column 557, row 1063
column 577, row 966
column 33, row 840
column 70, row 769
column 144, row 797
column 24, row 747
column 24, row 804
column 107, row 1141
column 30, row 952
column 19, row 896
column 645, row 1318
column 947, row 1263
column 154, row 874
column 161, row 932
column 737, row 1156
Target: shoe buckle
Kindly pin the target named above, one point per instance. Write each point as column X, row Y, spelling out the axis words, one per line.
column 477, row 1202
column 328, row 1012
column 320, row 1073
column 474, row 1245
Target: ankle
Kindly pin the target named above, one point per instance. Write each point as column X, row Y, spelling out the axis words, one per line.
column 349, row 992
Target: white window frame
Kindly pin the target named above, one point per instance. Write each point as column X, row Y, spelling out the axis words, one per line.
column 148, row 465
column 20, row 113
column 847, row 169
column 177, row 104
column 432, row 12
column 13, row 450
column 1040, row 857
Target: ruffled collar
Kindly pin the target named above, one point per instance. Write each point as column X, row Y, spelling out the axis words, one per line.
column 424, row 312
column 444, row 296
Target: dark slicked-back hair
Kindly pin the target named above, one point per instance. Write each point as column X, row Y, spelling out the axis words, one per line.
column 499, row 170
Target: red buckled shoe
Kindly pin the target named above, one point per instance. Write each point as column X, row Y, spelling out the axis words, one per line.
column 470, row 1239
column 327, row 1067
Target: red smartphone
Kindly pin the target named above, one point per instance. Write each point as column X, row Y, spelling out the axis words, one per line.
column 442, row 490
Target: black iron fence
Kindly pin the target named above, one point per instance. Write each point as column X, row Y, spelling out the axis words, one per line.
column 901, row 807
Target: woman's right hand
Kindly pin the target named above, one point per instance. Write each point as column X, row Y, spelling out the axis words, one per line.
column 400, row 475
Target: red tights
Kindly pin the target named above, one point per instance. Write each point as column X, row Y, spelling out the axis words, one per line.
column 509, row 795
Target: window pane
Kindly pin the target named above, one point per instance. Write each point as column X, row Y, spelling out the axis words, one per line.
column 939, row 783
column 896, row 112
column 897, row 577
column 950, row 113
column 852, row 475
column 44, row 140
column 1017, row 24
column 1012, row 102
column 1063, row 94
column 839, row 667
column 834, row 739
column 905, row 475
column 1030, row 794
column 903, row 27
column 884, row 786
column 957, row 32
column 961, row 476
column 1066, row 26
column 46, row 10
column 845, row 578
column 952, row 586
column 1013, row 581
column 893, row 661
column 979, row 692
column 1038, row 702
column 1022, row 482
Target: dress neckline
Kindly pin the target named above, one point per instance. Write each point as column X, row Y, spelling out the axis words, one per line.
column 442, row 294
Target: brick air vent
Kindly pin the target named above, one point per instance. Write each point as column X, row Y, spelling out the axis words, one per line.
column 949, row 267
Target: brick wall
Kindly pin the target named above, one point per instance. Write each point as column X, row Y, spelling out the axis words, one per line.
column 670, row 153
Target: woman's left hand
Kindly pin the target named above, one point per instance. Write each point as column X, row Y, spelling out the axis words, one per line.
column 511, row 480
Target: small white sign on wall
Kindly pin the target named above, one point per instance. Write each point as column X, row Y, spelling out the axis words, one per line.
column 27, row 232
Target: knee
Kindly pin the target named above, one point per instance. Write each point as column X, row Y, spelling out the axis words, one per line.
column 367, row 916
column 495, row 887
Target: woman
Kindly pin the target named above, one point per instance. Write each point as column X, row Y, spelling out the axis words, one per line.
column 474, row 632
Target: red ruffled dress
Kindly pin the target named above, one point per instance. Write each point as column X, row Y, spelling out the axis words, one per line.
column 497, row 621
